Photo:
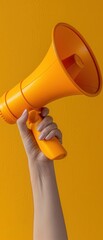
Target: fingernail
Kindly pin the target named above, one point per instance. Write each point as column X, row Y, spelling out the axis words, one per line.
column 41, row 136
column 39, row 127
column 47, row 137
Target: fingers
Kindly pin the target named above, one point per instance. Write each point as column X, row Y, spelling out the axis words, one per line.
column 54, row 133
column 48, row 128
column 44, row 123
column 44, row 111
column 50, row 133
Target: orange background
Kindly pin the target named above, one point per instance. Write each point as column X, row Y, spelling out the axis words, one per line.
column 25, row 36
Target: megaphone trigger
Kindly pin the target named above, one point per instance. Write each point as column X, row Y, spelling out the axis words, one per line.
column 73, row 65
column 33, row 117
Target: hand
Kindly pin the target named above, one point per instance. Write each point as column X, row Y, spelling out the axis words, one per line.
column 48, row 130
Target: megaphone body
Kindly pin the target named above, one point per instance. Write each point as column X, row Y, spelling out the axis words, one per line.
column 69, row 68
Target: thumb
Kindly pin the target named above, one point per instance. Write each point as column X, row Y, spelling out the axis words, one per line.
column 21, row 123
column 28, row 139
column 26, row 134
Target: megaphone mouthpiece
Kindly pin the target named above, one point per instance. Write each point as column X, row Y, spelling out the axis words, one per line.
column 73, row 65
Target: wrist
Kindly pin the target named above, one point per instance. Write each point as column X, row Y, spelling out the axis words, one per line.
column 41, row 173
column 44, row 170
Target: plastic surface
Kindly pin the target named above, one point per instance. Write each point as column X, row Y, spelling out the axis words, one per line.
column 67, row 42
column 69, row 68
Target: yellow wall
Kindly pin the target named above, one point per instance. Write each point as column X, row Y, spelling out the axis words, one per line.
column 25, row 36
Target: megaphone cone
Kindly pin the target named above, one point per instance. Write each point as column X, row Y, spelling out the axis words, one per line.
column 69, row 68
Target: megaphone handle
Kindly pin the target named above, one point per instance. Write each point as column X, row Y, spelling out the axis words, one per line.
column 51, row 148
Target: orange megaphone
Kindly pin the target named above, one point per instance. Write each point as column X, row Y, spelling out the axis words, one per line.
column 69, row 68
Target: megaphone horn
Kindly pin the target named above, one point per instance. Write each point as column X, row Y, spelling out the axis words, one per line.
column 69, row 68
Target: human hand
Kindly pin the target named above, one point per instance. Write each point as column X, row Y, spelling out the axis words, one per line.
column 48, row 130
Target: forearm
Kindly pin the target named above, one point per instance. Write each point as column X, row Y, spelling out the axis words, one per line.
column 48, row 216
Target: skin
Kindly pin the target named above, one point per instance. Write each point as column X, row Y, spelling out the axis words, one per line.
column 49, row 222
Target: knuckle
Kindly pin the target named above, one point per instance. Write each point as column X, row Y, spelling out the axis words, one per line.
column 50, row 127
column 49, row 118
column 54, row 125
column 46, row 109
column 59, row 131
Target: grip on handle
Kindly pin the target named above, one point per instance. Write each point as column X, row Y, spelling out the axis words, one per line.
column 51, row 148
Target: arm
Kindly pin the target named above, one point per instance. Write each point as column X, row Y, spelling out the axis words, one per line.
column 48, row 219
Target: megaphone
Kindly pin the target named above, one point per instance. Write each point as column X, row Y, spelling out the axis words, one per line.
column 69, row 68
